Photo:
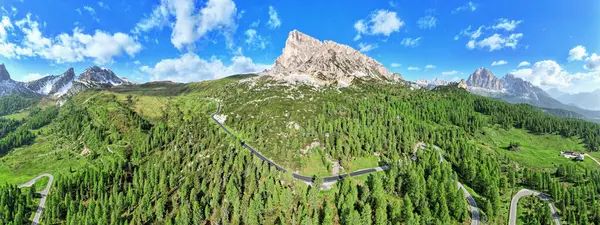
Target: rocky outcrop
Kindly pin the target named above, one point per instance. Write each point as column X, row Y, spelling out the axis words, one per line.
column 308, row 60
column 101, row 77
column 462, row 84
column 10, row 87
column 484, row 78
column 4, row 75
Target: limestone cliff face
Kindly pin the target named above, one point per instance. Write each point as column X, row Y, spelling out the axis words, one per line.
column 484, row 78
column 308, row 60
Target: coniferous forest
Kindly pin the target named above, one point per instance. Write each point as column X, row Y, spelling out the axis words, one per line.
column 172, row 164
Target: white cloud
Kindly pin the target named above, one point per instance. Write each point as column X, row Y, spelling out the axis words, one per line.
column 274, row 21
column 380, row 22
column 190, row 24
column 255, row 40
column 137, row 62
column 592, row 62
column 412, row 68
column 190, row 67
column 429, row 66
column 497, row 42
column 411, row 42
column 396, row 65
column 470, row 6
column 31, row 77
column 90, row 10
column 508, row 25
column 393, row 4
column 103, row 5
column 502, row 38
column 78, row 10
column 499, row 63
column 549, row 74
column 450, row 73
column 102, row 47
column 255, row 24
column 524, row 63
column 364, row 47
column 577, row 53
column 5, row 25
column 427, row 22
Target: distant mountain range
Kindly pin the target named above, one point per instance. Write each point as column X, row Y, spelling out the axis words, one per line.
column 516, row 90
column 57, row 86
column 585, row 100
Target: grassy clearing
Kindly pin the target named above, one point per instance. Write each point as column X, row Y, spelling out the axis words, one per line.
column 537, row 151
column 360, row 163
column 17, row 116
column 313, row 165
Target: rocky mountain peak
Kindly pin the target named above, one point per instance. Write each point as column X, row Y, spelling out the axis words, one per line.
column 484, row 78
column 100, row 77
column 4, row 75
column 308, row 60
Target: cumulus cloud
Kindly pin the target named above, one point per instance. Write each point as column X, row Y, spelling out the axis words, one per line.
column 429, row 66
column 101, row 47
column 577, row 53
column 450, row 73
column 396, row 65
column 411, row 42
column 5, row 25
column 499, row 63
column 470, row 6
column 379, row 22
column 508, row 25
column 364, row 47
column 502, row 36
column 103, row 5
column 592, row 62
column 255, row 40
column 427, row 22
column 497, row 42
column 190, row 67
column 413, row 68
column 548, row 74
column 524, row 63
column 189, row 24
column 274, row 21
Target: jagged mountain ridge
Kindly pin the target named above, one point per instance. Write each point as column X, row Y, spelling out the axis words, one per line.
column 59, row 85
column 53, row 84
column 308, row 60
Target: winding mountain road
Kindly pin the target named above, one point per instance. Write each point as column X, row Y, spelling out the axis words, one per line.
column 295, row 175
column 44, row 193
column 475, row 216
column 526, row 192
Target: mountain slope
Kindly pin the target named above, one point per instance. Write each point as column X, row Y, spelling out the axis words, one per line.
column 54, row 84
column 308, row 60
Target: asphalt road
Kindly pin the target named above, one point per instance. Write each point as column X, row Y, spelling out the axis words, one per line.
column 295, row 175
column 44, row 193
column 526, row 192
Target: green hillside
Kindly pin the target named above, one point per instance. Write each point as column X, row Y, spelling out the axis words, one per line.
column 151, row 154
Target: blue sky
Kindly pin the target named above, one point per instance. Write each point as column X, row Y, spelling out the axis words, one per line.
column 187, row 40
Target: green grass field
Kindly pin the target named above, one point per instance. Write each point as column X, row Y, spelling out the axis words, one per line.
column 17, row 116
column 537, row 151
